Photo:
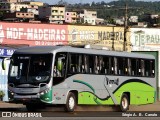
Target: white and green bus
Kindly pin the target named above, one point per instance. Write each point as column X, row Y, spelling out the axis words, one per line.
column 71, row 76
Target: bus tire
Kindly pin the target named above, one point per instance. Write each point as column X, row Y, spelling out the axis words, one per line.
column 124, row 104
column 70, row 103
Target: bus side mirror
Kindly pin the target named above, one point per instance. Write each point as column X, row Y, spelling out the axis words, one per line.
column 4, row 63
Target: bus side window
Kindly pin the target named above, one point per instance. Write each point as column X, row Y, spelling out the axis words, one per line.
column 106, row 65
column 96, row 64
column 79, row 67
column 91, row 63
column 139, row 67
column 142, row 68
column 133, row 67
column 101, row 65
column 85, row 64
column 152, row 68
column 129, row 66
column 121, row 66
column 149, row 68
column 111, row 65
column 73, row 65
column 147, row 65
column 115, row 66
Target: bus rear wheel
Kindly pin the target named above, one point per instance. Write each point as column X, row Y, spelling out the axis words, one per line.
column 70, row 103
column 124, row 104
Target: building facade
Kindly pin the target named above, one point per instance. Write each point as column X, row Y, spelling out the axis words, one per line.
column 71, row 17
column 88, row 17
column 54, row 13
column 57, row 14
column 11, row 1
column 44, row 12
column 25, row 15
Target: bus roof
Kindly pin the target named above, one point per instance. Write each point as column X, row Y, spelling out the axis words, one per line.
column 59, row 48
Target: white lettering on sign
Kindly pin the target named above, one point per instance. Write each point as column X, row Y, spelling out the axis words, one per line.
column 86, row 35
column 46, row 34
column 10, row 52
column 1, row 51
column 36, row 34
column 15, row 33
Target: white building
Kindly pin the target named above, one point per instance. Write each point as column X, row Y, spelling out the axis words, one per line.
column 88, row 17
column 133, row 19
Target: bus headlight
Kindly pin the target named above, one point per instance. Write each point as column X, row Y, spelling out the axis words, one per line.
column 44, row 92
column 11, row 92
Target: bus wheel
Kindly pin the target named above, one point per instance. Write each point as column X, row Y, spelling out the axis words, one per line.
column 70, row 103
column 124, row 105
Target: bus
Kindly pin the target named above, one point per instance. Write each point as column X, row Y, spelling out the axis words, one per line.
column 72, row 76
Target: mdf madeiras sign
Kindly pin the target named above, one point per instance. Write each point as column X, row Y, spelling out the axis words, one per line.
column 32, row 34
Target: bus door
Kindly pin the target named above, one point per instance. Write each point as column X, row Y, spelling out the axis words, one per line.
column 59, row 70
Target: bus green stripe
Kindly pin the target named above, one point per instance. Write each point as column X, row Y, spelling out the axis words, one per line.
column 124, row 87
column 95, row 98
column 79, row 81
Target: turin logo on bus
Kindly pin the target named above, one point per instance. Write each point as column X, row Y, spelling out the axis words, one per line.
column 111, row 82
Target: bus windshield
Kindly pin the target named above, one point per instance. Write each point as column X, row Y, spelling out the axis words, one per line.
column 30, row 68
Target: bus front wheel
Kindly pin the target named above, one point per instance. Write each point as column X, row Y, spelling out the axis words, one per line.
column 124, row 104
column 70, row 103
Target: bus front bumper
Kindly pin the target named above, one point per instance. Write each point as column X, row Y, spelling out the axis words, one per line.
column 25, row 99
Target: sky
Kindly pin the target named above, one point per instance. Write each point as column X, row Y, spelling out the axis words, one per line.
column 52, row 2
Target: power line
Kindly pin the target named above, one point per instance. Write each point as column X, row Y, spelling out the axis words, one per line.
column 125, row 26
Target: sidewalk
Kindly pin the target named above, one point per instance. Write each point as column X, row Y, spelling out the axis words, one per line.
column 10, row 105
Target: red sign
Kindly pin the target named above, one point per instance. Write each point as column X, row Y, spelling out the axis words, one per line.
column 33, row 34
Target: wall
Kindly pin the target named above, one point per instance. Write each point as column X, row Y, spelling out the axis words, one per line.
column 98, row 35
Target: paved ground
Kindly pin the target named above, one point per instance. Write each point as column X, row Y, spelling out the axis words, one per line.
column 91, row 114
column 10, row 105
column 149, row 107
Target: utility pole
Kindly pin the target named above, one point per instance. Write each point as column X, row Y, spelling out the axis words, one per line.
column 113, row 39
column 125, row 26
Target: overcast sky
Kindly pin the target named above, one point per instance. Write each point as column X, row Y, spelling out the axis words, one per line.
column 51, row 2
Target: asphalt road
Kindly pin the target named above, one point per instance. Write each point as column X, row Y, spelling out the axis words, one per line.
column 18, row 111
column 19, row 107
